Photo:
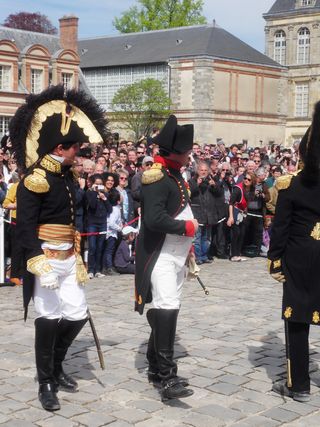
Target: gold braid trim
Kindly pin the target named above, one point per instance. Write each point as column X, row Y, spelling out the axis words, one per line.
column 39, row 265
column 50, row 164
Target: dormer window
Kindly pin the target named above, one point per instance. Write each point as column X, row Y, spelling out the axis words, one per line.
column 305, row 3
column 67, row 80
column 36, row 80
column 5, row 77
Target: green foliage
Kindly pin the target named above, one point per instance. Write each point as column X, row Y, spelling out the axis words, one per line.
column 142, row 105
column 160, row 14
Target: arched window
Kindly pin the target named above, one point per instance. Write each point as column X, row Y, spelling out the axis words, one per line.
column 280, row 47
column 303, row 48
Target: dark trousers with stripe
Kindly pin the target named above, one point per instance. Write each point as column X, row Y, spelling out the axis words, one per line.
column 298, row 351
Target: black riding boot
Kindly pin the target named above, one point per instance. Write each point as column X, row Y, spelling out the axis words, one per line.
column 153, row 371
column 67, row 331
column 44, row 348
column 165, row 322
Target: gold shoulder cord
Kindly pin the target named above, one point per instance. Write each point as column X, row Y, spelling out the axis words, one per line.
column 37, row 181
column 152, row 175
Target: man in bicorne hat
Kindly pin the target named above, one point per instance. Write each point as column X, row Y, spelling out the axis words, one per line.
column 46, row 132
column 164, row 242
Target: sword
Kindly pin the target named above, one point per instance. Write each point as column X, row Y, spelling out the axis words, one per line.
column 286, row 331
column 202, row 285
column 96, row 340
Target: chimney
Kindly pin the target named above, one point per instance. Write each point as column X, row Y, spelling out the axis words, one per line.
column 69, row 32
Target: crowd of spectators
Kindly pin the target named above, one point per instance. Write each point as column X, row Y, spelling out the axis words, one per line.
column 231, row 190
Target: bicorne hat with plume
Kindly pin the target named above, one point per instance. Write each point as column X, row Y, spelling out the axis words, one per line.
column 54, row 117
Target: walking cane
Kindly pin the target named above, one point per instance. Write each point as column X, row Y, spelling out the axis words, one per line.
column 96, row 340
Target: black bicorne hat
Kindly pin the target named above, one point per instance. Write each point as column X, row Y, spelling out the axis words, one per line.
column 54, row 117
column 174, row 138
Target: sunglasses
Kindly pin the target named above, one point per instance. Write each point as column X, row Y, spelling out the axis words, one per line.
column 149, row 164
column 123, row 178
column 247, row 179
column 225, row 170
column 140, row 152
column 257, row 161
column 106, row 152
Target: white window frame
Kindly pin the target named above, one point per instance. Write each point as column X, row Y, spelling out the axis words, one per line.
column 5, row 77
column 302, row 100
column 105, row 82
column 37, row 76
column 4, row 125
column 280, row 46
column 303, row 46
column 306, row 3
column 67, row 79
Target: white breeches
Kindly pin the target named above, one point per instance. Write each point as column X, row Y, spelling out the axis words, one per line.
column 68, row 301
column 169, row 272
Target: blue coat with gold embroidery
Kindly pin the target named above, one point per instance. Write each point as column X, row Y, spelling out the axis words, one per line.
column 161, row 202
column 295, row 241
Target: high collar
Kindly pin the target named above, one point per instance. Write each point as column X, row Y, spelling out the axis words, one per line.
column 167, row 163
column 50, row 164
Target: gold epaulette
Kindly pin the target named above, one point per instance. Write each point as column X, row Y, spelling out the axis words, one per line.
column 37, row 181
column 152, row 175
column 283, row 182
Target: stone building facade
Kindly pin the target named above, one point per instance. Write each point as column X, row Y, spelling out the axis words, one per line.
column 30, row 61
column 225, row 87
column 293, row 39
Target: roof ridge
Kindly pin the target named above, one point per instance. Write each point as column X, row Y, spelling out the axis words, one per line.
column 147, row 32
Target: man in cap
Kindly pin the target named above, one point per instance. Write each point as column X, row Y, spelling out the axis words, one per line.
column 46, row 132
column 164, row 241
column 294, row 260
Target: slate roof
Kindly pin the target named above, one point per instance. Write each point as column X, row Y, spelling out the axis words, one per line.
column 288, row 7
column 158, row 46
column 24, row 38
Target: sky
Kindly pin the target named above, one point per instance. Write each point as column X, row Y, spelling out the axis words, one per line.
column 242, row 18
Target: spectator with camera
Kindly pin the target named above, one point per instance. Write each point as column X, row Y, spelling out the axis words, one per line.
column 98, row 207
column 257, row 198
column 203, row 187
column 114, row 227
column 219, row 232
column 238, row 213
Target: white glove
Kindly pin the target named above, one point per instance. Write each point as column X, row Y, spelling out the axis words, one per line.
column 49, row 281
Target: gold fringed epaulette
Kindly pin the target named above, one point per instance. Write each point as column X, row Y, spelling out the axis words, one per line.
column 37, row 181
column 152, row 175
column 283, row 182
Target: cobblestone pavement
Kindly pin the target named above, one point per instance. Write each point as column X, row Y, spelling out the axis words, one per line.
column 230, row 345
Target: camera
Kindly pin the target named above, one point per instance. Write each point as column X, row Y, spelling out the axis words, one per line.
column 100, row 187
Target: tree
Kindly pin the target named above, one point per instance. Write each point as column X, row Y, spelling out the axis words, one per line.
column 160, row 14
column 30, row 22
column 141, row 106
